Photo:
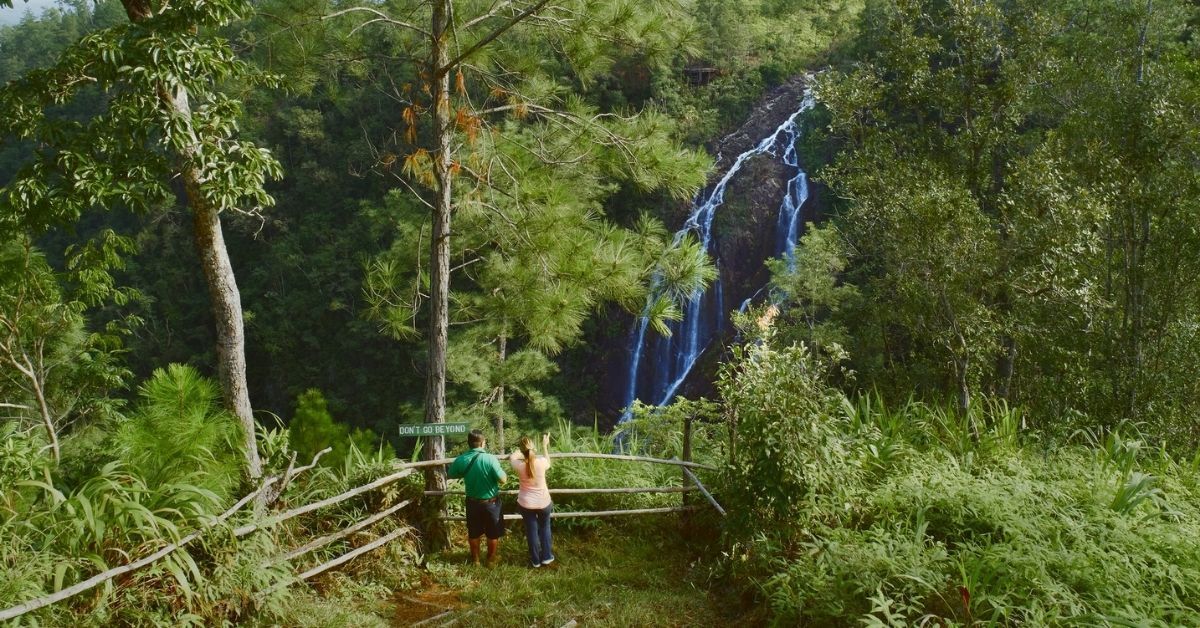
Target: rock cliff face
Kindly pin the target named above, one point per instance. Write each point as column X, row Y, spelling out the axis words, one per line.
column 745, row 226
column 743, row 237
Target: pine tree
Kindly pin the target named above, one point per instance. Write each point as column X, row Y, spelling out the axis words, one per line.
column 469, row 86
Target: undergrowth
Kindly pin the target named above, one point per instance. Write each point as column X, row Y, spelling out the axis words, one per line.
column 853, row 513
column 632, row 572
column 162, row 473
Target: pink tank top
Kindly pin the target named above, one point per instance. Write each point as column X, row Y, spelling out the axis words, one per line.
column 534, row 494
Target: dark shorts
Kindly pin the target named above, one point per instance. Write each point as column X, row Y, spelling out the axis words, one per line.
column 484, row 518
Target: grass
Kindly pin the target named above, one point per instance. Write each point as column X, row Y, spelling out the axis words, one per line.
column 628, row 573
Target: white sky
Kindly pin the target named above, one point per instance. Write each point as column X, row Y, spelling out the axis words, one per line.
column 13, row 15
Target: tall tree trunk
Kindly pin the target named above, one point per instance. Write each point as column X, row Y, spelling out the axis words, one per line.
column 226, row 302
column 436, row 535
column 961, row 360
column 962, row 384
column 1005, row 367
column 500, row 444
column 1140, row 242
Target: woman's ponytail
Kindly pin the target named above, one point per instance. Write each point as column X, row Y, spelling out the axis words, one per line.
column 526, row 445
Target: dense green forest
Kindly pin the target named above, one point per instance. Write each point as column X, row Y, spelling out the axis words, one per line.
column 237, row 233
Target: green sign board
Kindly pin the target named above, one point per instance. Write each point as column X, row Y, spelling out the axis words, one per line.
column 433, row 429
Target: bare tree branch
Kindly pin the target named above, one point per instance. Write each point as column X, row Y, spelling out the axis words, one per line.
column 491, row 13
column 490, row 37
column 380, row 16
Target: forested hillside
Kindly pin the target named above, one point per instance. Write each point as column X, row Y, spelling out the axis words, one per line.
column 240, row 232
column 325, row 271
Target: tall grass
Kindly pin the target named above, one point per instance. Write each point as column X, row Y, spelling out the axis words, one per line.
column 168, row 469
column 931, row 517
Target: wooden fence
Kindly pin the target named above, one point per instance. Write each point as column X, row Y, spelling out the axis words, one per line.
column 689, row 484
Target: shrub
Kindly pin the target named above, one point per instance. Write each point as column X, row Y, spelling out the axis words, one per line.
column 856, row 514
column 313, row 428
column 793, row 454
column 180, row 433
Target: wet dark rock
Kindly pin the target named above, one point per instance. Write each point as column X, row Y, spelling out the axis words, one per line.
column 743, row 237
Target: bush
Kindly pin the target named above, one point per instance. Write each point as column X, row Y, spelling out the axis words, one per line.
column 180, row 433
column 856, row 514
column 793, row 456
column 313, row 428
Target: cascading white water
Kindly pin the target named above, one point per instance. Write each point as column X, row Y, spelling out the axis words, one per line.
column 787, row 231
column 673, row 357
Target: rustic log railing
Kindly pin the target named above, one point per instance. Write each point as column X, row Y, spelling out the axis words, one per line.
column 596, row 513
column 703, row 491
column 109, row 574
column 591, row 491
column 684, row 465
column 403, row 470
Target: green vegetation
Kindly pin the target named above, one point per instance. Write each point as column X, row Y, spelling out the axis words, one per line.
column 136, row 493
column 856, row 514
column 970, row 399
column 202, row 444
column 313, row 428
column 1023, row 197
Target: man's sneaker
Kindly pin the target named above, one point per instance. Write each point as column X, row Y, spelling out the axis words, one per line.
column 493, row 560
column 537, row 566
column 547, row 562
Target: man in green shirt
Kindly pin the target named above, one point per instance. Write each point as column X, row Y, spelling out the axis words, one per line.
column 483, row 476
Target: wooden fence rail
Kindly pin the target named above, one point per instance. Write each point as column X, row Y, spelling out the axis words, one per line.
column 403, row 470
column 592, row 491
column 336, row 499
column 105, row 576
column 341, row 534
column 379, row 542
column 704, row 491
column 576, row 455
column 596, row 513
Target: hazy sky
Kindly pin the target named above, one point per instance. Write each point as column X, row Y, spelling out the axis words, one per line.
column 13, row 15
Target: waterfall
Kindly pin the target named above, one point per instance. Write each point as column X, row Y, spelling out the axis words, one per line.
column 662, row 368
column 787, row 231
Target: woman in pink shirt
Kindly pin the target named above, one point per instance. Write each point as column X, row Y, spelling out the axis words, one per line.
column 533, row 500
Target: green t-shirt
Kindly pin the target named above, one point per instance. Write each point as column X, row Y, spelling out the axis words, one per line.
column 486, row 475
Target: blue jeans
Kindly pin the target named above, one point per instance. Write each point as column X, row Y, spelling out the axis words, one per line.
column 537, row 534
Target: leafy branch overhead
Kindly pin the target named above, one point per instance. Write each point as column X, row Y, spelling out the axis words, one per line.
column 126, row 156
